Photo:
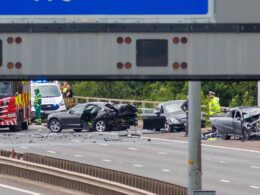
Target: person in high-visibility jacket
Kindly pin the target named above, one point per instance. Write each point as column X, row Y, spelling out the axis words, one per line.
column 38, row 105
column 213, row 105
column 64, row 88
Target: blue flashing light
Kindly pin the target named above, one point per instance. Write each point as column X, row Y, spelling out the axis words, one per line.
column 40, row 81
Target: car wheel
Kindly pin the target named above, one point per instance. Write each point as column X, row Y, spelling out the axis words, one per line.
column 227, row 137
column 77, row 130
column 167, row 127
column 100, row 126
column 246, row 134
column 55, row 125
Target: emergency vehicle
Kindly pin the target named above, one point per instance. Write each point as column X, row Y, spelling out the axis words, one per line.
column 52, row 99
column 15, row 105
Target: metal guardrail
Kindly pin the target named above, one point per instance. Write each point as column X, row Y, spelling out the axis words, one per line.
column 66, row 179
column 134, row 181
column 147, row 184
column 142, row 103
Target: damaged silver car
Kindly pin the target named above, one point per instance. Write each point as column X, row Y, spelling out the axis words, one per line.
column 241, row 121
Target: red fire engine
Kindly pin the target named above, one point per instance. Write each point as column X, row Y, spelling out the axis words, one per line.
column 15, row 105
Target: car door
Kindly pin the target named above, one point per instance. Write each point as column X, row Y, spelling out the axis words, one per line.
column 223, row 122
column 237, row 122
column 73, row 117
column 228, row 123
column 154, row 120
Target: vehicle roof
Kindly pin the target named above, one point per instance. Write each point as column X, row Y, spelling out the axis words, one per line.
column 247, row 109
column 44, row 84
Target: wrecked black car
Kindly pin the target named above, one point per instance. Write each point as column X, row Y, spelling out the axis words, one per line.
column 241, row 121
column 99, row 116
column 107, row 117
column 168, row 116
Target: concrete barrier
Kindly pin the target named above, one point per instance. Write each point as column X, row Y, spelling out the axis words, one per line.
column 66, row 179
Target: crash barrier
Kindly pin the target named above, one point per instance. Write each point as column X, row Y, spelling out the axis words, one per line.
column 11, row 154
column 143, row 183
column 138, row 103
column 66, row 179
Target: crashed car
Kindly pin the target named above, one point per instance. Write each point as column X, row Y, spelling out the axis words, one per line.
column 168, row 116
column 240, row 121
column 107, row 117
column 70, row 119
column 99, row 116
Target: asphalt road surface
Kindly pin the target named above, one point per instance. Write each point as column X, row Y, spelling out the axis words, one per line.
column 229, row 171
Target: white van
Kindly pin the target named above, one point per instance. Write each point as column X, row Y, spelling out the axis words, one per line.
column 52, row 99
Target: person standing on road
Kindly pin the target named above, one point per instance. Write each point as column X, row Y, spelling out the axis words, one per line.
column 69, row 100
column 185, row 108
column 69, row 92
column 38, row 105
column 64, row 88
column 213, row 105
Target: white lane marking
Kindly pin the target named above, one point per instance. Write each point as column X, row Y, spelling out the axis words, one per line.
column 162, row 153
column 225, row 181
column 24, row 147
column 78, row 155
column 136, row 165
column 103, row 144
column 19, row 190
column 165, row 170
column 255, row 167
column 106, row 160
column 206, row 145
column 255, row 187
column 135, row 149
column 166, row 140
column 76, row 141
column 52, row 152
column 224, row 162
column 228, row 148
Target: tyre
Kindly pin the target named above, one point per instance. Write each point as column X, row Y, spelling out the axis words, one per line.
column 77, row 130
column 100, row 126
column 25, row 125
column 55, row 125
column 18, row 127
column 227, row 137
column 167, row 127
column 245, row 134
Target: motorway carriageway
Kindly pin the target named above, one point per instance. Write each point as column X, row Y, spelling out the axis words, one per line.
column 229, row 171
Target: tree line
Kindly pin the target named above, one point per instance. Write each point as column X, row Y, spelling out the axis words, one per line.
column 231, row 94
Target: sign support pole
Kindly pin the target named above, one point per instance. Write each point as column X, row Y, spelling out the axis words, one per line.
column 194, row 137
column 258, row 93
